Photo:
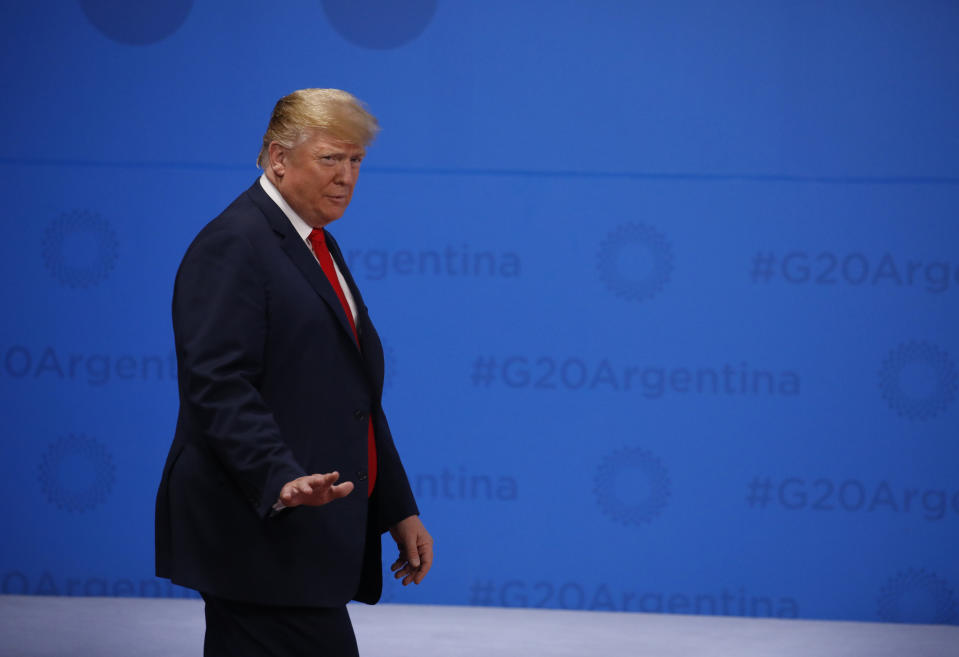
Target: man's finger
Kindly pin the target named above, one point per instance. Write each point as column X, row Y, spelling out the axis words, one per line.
column 289, row 493
column 420, row 574
column 341, row 490
column 326, row 479
column 426, row 561
column 405, row 576
column 426, row 554
column 412, row 554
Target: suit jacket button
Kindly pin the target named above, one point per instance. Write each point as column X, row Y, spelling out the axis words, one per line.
column 359, row 415
column 361, row 476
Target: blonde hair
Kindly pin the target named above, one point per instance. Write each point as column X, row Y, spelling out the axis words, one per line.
column 336, row 112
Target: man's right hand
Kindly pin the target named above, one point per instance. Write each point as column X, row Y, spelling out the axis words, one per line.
column 314, row 490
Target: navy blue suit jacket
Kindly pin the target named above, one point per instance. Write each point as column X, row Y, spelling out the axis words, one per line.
column 273, row 386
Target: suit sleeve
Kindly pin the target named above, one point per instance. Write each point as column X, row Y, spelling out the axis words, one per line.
column 220, row 324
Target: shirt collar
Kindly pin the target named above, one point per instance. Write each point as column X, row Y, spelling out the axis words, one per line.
column 303, row 229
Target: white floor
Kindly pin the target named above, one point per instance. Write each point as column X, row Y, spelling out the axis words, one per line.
column 44, row 626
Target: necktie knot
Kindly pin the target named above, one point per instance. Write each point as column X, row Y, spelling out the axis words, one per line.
column 318, row 240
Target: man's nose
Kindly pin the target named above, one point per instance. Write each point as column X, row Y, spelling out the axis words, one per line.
column 344, row 173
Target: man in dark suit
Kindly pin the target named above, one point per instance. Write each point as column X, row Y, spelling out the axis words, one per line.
column 283, row 473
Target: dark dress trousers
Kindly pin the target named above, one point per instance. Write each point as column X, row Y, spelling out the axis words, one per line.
column 273, row 386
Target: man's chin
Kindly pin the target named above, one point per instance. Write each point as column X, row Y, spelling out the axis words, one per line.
column 320, row 219
column 331, row 214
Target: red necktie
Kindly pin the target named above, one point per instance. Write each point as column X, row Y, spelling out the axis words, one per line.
column 318, row 240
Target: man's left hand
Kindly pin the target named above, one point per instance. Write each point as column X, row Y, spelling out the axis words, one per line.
column 416, row 550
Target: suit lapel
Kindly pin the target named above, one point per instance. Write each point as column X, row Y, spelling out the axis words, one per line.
column 348, row 276
column 301, row 256
column 370, row 345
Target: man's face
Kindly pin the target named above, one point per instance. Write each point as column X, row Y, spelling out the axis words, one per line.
column 317, row 177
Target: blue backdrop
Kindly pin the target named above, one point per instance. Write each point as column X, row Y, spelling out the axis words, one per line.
column 668, row 290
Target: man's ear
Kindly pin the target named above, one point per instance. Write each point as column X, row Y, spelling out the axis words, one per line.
column 278, row 156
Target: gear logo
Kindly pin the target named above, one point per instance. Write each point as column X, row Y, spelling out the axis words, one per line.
column 137, row 23
column 918, row 380
column 635, row 261
column 632, row 486
column 917, row 596
column 76, row 473
column 80, row 248
column 379, row 24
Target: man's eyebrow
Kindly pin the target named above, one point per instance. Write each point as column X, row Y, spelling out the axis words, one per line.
column 327, row 151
